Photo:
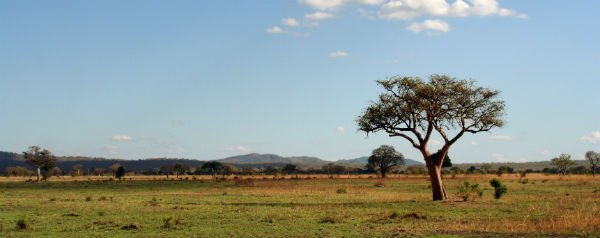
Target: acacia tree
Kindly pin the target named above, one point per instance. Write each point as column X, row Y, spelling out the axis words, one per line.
column 562, row 163
column 384, row 158
column 42, row 159
column 594, row 159
column 413, row 109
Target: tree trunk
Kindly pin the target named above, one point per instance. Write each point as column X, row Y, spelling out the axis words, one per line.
column 39, row 172
column 437, row 186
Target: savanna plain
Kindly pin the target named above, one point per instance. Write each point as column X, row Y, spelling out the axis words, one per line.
column 304, row 206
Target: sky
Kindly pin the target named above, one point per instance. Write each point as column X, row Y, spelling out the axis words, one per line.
column 211, row 79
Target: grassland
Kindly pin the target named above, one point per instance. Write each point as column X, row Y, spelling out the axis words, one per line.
column 543, row 206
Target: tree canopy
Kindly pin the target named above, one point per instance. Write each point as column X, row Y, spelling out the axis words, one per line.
column 384, row 158
column 412, row 108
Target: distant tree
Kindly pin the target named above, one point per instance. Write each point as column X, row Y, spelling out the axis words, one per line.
column 578, row 170
column 77, row 168
column 55, row 171
column 16, row 171
column 499, row 188
column 120, row 172
column 413, row 109
column 504, row 169
column 594, row 159
column 269, row 170
column 213, row 167
column 42, row 159
column 180, row 169
column 289, row 169
column 167, row 169
column 248, row 171
column 229, row 169
column 471, row 169
column 416, row 169
column 99, row 171
column 562, row 163
column 113, row 169
column 485, row 168
column 385, row 158
column 456, row 170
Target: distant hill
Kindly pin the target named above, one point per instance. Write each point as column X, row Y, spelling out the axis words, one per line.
column 271, row 159
column 521, row 166
column 361, row 161
column 254, row 160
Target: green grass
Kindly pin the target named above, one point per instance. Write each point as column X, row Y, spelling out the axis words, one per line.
column 298, row 208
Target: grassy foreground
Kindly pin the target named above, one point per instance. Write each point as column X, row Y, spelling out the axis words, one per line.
column 545, row 206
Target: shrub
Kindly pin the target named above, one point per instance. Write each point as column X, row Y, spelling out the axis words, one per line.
column 469, row 191
column 132, row 226
column 88, row 198
column 341, row 190
column 328, row 219
column 103, row 198
column 499, row 188
column 23, row 223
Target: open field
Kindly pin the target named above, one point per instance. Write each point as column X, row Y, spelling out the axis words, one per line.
column 545, row 206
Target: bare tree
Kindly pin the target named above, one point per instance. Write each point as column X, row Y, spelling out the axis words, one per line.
column 413, row 109
column 77, row 169
column 42, row 159
column 562, row 163
column 594, row 159
column 384, row 158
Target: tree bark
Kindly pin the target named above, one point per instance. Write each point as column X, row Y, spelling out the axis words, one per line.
column 435, row 175
column 38, row 174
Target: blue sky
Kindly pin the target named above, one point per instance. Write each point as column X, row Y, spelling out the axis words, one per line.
column 210, row 79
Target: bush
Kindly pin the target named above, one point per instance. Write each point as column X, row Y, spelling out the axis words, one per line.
column 88, row 198
column 469, row 191
column 341, row 190
column 499, row 188
column 23, row 223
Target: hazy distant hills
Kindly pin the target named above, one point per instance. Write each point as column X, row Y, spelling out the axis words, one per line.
column 363, row 160
column 254, row 160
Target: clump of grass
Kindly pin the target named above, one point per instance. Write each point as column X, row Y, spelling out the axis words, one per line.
column 132, row 226
column 88, row 198
column 524, row 181
column 414, row 215
column 23, row 223
column 328, row 219
column 499, row 188
column 469, row 191
column 168, row 223
column 72, row 214
column 52, row 199
column 378, row 184
column 101, row 213
column 103, row 198
column 244, row 182
column 341, row 191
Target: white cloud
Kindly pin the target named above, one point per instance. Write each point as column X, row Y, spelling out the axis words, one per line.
column 323, row 4
column 274, row 30
column 239, row 148
column 318, row 16
column 338, row 54
column 594, row 138
column 409, row 9
column 500, row 137
column 474, row 143
column 340, row 129
column 429, row 25
column 290, row 22
column 121, row 138
column 334, row 4
column 545, row 151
